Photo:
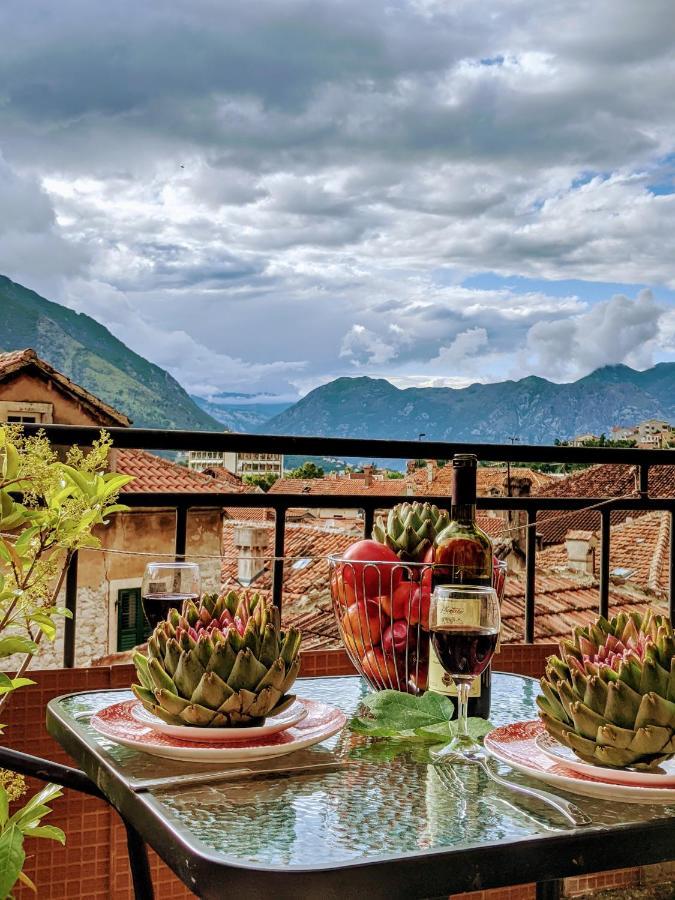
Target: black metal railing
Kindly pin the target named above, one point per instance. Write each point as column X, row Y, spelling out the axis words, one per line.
column 155, row 439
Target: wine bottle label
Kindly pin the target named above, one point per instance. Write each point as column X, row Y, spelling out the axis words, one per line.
column 442, row 683
column 452, row 612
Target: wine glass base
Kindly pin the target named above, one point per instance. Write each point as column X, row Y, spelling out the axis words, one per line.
column 460, row 744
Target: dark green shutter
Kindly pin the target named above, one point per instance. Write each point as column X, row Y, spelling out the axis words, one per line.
column 132, row 628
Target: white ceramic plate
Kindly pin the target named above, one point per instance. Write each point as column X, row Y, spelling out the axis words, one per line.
column 664, row 776
column 117, row 723
column 291, row 716
column 516, row 745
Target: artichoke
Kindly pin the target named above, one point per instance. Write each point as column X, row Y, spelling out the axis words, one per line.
column 610, row 695
column 223, row 663
column 411, row 529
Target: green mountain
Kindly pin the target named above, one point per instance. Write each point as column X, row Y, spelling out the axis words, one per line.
column 534, row 410
column 90, row 355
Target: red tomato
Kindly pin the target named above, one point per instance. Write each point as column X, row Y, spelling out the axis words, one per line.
column 344, row 594
column 401, row 600
column 381, row 669
column 361, row 626
column 362, row 572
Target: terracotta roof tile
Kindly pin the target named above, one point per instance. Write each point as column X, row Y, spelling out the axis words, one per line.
column 639, row 546
column 156, row 474
column 599, row 481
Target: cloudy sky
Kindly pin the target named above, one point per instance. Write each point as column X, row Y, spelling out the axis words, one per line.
column 261, row 196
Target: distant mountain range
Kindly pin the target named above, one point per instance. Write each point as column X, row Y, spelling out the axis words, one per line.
column 533, row 410
column 90, row 355
column 241, row 416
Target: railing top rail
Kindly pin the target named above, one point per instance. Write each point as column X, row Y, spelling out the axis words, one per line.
column 165, row 439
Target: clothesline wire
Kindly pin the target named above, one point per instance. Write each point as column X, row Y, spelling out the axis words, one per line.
column 304, row 556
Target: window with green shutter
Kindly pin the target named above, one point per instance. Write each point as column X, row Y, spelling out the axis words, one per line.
column 132, row 628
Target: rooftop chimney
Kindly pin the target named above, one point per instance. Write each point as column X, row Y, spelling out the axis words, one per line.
column 368, row 475
column 431, row 469
column 581, row 547
column 251, row 544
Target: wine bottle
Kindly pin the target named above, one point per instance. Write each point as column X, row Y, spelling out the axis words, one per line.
column 462, row 555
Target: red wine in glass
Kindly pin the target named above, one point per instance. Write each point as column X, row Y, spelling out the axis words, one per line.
column 167, row 585
column 156, row 606
column 464, row 650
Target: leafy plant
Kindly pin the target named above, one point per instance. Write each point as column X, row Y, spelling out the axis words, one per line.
column 264, row 480
column 308, row 469
column 48, row 509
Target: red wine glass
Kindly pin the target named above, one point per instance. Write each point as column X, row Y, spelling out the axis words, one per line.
column 166, row 585
column 464, row 628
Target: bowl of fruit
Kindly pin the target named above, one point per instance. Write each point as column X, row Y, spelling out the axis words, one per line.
column 381, row 593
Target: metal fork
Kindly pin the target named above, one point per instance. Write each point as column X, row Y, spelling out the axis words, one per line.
column 479, row 757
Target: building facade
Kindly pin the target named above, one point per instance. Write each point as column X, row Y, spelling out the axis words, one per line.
column 238, row 463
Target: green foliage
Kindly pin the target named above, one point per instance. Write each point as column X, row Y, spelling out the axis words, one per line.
column 48, row 508
column 264, row 482
column 395, row 715
column 392, row 474
column 26, row 822
column 308, row 469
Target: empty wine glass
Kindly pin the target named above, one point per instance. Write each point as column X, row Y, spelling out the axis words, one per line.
column 464, row 628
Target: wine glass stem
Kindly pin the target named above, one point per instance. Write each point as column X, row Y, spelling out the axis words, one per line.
column 463, row 688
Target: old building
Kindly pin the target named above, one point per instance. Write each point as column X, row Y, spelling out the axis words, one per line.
column 109, row 616
column 238, row 463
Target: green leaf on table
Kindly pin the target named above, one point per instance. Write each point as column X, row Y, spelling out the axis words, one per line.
column 393, row 714
column 12, row 857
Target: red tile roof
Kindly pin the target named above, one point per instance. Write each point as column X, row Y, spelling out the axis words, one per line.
column 637, row 545
column 599, row 481
column 156, row 474
column 16, row 360
column 341, row 484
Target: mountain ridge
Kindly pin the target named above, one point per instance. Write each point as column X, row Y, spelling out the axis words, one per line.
column 531, row 409
column 93, row 357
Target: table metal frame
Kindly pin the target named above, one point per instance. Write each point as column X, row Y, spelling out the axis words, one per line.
column 543, row 860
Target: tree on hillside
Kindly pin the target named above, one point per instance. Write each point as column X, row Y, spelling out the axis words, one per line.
column 307, row 470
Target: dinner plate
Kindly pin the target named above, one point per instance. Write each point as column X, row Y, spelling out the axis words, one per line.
column 291, row 716
column 118, row 723
column 664, row 776
column 516, row 745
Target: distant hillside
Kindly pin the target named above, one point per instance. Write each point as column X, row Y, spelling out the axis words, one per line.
column 245, row 417
column 85, row 351
column 535, row 410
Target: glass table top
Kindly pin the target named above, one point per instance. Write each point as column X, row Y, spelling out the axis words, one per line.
column 387, row 800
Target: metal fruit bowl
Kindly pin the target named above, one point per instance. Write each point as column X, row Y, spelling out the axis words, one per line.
column 382, row 614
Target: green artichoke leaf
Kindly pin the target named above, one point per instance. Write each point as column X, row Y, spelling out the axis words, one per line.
column 630, row 672
column 222, row 660
column 146, row 696
column 552, row 702
column 248, row 698
column 204, row 649
column 274, row 676
column 246, row 672
column 651, row 739
column 269, row 646
column 283, row 704
column 172, row 656
column 188, row 674
column 583, row 746
column 595, row 695
column 291, row 675
column 162, row 714
column 265, row 700
column 623, row 704
column 171, row 703
column 290, row 645
column 141, row 663
column 654, row 678
column 671, row 682
column 613, row 736
column 161, row 679
column 231, row 705
column 655, row 710
column 194, row 714
column 615, row 757
column 211, row 691
column 586, row 722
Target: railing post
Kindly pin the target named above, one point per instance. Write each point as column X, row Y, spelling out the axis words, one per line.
column 530, row 552
column 604, row 562
column 278, row 567
column 643, row 480
column 671, row 575
column 181, row 532
column 368, row 522
column 71, row 604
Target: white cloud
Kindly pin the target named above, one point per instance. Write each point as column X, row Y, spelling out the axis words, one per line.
column 619, row 330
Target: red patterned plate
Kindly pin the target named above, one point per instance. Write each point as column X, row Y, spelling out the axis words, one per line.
column 118, row 723
column 516, row 745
